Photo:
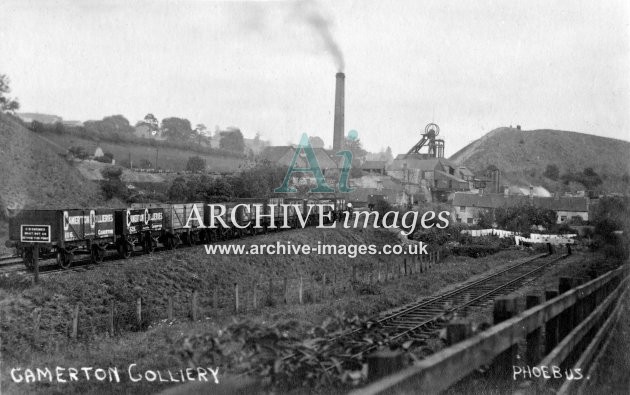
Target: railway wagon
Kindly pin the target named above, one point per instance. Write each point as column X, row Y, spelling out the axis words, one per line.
column 233, row 211
column 249, row 214
column 174, row 231
column 62, row 234
column 138, row 227
column 328, row 210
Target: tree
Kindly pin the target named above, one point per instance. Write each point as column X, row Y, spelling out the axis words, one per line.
column 388, row 156
column 176, row 129
column 177, row 191
column 316, row 142
column 200, row 132
column 152, row 122
column 113, row 185
column 7, row 104
column 232, row 141
column 196, row 164
column 552, row 172
column 201, row 129
column 356, row 147
column 79, row 152
column 113, row 125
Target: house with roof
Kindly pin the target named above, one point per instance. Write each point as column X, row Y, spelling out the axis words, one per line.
column 467, row 206
column 374, row 166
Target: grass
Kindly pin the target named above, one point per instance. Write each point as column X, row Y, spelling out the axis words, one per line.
column 178, row 273
column 167, row 158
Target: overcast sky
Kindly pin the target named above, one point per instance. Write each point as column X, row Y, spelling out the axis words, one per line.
column 264, row 67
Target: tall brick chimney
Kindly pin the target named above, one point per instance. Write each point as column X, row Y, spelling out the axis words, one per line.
column 339, row 112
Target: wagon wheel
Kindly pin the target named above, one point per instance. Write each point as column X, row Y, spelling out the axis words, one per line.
column 194, row 238
column 97, row 254
column 170, row 243
column 28, row 258
column 64, row 259
column 148, row 245
column 203, row 236
column 124, row 250
column 224, row 233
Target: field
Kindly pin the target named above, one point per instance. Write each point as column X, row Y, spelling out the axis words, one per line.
column 178, row 273
column 167, row 158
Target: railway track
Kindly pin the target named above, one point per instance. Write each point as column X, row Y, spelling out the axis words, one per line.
column 419, row 321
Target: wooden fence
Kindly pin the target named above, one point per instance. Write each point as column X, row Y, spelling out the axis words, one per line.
column 571, row 316
column 265, row 291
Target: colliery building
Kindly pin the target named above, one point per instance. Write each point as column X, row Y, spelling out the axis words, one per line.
column 467, row 206
column 428, row 173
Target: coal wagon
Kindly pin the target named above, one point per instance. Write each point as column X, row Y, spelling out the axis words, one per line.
column 62, row 234
column 138, row 227
column 176, row 218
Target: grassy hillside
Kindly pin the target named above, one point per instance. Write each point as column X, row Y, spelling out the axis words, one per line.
column 522, row 156
column 34, row 176
column 167, row 158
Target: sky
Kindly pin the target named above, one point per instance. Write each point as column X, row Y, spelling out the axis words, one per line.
column 269, row 67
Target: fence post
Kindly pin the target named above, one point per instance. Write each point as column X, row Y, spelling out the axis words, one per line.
column 533, row 339
column 286, row 290
column 110, row 320
column 193, row 306
column 384, row 362
column 405, row 266
column 421, row 264
column 301, row 290
column 551, row 327
column 566, row 317
column 36, row 320
column 215, row 294
column 36, row 263
column 505, row 308
column 323, row 286
column 254, row 295
column 139, row 311
column 75, row 321
column 169, row 308
column 457, row 330
column 236, row 297
column 270, row 292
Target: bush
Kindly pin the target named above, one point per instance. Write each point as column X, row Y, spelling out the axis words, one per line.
column 79, row 152
column 103, row 159
column 114, row 188
column 475, row 250
column 196, row 164
column 112, row 172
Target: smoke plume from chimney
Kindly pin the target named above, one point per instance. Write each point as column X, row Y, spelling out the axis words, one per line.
column 311, row 13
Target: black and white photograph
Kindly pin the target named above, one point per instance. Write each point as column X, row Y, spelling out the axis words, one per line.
column 314, row 197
